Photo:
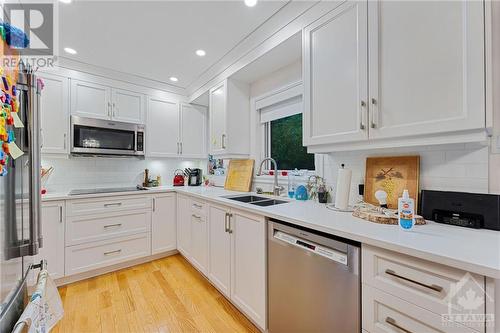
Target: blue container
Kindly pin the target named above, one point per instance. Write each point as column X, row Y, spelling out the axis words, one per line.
column 301, row 193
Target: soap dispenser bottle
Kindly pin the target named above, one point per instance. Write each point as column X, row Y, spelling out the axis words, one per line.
column 406, row 211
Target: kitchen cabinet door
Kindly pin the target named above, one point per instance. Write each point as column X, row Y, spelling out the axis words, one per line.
column 128, row 106
column 53, row 217
column 218, row 115
column 335, row 76
column 248, row 269
column 162, row 128
column 426, row 67
column 91, row 100
column 184, row 226
column 193, row 131
column 163, row 223
column 219, row 249
column 54, row 109
column 199, row 242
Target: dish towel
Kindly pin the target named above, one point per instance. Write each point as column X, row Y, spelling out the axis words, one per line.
column 44, row 309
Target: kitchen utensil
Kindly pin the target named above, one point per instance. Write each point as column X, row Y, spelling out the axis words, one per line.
column 239, row 175
column 392, row 175
column 178, row 178
column 195, row 177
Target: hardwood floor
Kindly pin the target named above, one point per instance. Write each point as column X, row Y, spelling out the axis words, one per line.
column 165, row 295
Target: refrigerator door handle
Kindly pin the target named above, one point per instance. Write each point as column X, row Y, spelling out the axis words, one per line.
column 34, row 146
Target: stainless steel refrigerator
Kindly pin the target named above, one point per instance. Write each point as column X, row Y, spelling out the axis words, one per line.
column 20, row 227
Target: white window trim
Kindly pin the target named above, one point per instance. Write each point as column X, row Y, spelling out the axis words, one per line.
column 273, row 97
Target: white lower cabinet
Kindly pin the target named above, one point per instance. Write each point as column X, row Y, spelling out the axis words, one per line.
column 199, row 242
column 184, row 225
column 237, row 259
column 248, row 264
column 163, row 223
column 53, row 238
column 89, row 256
column 401, row 293
column 219, row 250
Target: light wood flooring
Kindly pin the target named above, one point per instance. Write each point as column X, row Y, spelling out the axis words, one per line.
column 165, row 295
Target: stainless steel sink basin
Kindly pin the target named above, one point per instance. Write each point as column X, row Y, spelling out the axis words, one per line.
column 265, row 203
column 256, row 200
column 247, row 198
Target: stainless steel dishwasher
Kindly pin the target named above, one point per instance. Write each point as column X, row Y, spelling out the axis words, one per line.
column 313, row 281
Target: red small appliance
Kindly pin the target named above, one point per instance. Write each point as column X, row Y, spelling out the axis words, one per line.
column 179, row 177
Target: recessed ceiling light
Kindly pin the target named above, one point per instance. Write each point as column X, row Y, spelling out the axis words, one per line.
column 250, row 3
column 174, row 79
column 69, row 50
column 65, row 1
column 201, row 53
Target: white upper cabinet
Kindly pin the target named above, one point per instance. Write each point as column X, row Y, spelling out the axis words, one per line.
column 193, row 131
column 218, row 119
column 54, row 108
column 95, row 100
column 229, row 109
column 426, row 67
column 381, row 74
column 90, row 100
column 162, row 128
column 336, row 77
column 127, row 106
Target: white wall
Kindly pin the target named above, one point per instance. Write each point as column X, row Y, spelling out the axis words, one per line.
column 92, row 172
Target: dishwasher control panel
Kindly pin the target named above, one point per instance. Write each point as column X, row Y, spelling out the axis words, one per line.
column 323, row 251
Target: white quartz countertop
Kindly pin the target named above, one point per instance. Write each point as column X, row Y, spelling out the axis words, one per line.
column 473, row 250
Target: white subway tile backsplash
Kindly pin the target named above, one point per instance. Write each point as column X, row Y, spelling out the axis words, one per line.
column 92, row 172
column 456, row 167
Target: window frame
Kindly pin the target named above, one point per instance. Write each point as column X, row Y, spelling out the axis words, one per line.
column 277, row 96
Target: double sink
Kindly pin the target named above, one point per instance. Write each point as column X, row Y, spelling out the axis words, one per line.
column 256, row 200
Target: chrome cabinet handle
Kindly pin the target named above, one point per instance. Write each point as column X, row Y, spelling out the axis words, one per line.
column 223, row 141
column 361, row 123
column 112, row 252
column 197, row 206
column 178, row 148
column 112, row 225
column 180, row 143
column 109, row 109
column 432, row 287
column 373, row 124
column 154, row 204
column 60, row 214
column 226, row 224
column 113, row 204
column 65, row 136
column 114, row 109
column 393, row 323
column 229, row 229
column 198, row 217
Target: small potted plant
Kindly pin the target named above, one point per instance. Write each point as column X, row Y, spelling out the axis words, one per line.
column 322, row 193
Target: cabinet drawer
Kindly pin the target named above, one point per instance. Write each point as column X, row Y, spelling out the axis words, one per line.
column 384, row 313
column 198, row 207
column 83, row 229
column 85, row 257
column 107, row 204
column 429, row 285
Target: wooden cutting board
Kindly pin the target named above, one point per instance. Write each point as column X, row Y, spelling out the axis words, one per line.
column 382, row 218
column 239, row 175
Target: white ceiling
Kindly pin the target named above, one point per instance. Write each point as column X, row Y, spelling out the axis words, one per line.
column 158, row 39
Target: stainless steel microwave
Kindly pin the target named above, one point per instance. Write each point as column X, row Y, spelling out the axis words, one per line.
column 105, row 137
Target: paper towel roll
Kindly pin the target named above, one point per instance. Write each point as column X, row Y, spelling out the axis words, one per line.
column 343, row 189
